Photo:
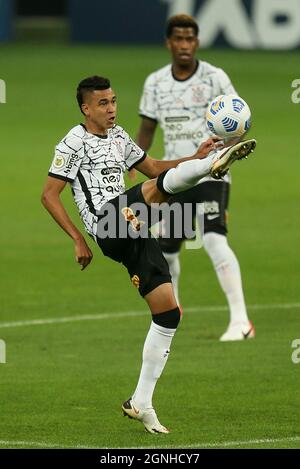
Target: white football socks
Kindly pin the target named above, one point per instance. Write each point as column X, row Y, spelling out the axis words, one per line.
column 187, row 174
column 174, row 267
column 155, row 355
column 228, row 271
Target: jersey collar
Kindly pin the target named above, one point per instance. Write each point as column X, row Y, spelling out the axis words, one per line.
column 97, row 135
column 190, row 76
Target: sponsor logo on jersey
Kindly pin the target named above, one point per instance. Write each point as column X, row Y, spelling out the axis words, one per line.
column 177, row 119
column 70, row 163
column 107, row 171
column 72, row 160
column 59, row 161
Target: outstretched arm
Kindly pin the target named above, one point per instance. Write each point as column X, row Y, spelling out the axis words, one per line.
column 52, row 202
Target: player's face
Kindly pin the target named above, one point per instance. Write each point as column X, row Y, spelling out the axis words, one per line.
column 100, row 108
column 183, row 44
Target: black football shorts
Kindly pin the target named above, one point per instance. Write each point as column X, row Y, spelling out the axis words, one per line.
column 141, row 255
column 214, row 195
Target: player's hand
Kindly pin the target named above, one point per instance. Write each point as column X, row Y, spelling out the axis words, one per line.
column 83, row 254
column 213, row 143
column 132, row 174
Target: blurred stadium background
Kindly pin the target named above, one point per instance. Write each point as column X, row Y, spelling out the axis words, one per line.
column 73, row 339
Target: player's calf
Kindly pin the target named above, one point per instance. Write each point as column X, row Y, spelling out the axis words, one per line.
column 155, row 355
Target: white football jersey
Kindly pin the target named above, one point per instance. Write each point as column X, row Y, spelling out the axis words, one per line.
column 94, row 165
column 179, row 106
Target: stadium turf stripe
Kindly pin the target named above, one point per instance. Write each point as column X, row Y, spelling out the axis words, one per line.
column 128, row 314
column 215, row 444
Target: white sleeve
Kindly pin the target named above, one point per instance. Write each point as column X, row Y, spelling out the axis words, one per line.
column 148, row 102
column 226, row 87
column 133, row 153
column 67, row 158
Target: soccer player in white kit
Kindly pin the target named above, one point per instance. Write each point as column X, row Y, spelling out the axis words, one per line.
column 176, row 97
column 92, row 158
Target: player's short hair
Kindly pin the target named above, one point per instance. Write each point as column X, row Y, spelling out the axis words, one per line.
column 181, row 21
column 88, row 85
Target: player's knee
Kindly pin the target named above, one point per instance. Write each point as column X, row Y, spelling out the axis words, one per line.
column 169, row 319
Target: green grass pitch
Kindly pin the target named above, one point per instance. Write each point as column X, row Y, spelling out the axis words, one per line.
column 63, row 383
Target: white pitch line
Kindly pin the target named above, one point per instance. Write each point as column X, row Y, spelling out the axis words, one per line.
column 215, row 444
column 261, row 441
column 82, row 317
column 127, row 314
column 43, row 444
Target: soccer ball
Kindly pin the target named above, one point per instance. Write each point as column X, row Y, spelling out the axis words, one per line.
column 228, row 116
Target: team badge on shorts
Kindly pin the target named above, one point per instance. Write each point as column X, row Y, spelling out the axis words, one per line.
column 130, row 216
column 135, row 281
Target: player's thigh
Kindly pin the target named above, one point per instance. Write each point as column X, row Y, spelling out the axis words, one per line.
column 146, row 265
column 117, row 221
column 135, row 247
